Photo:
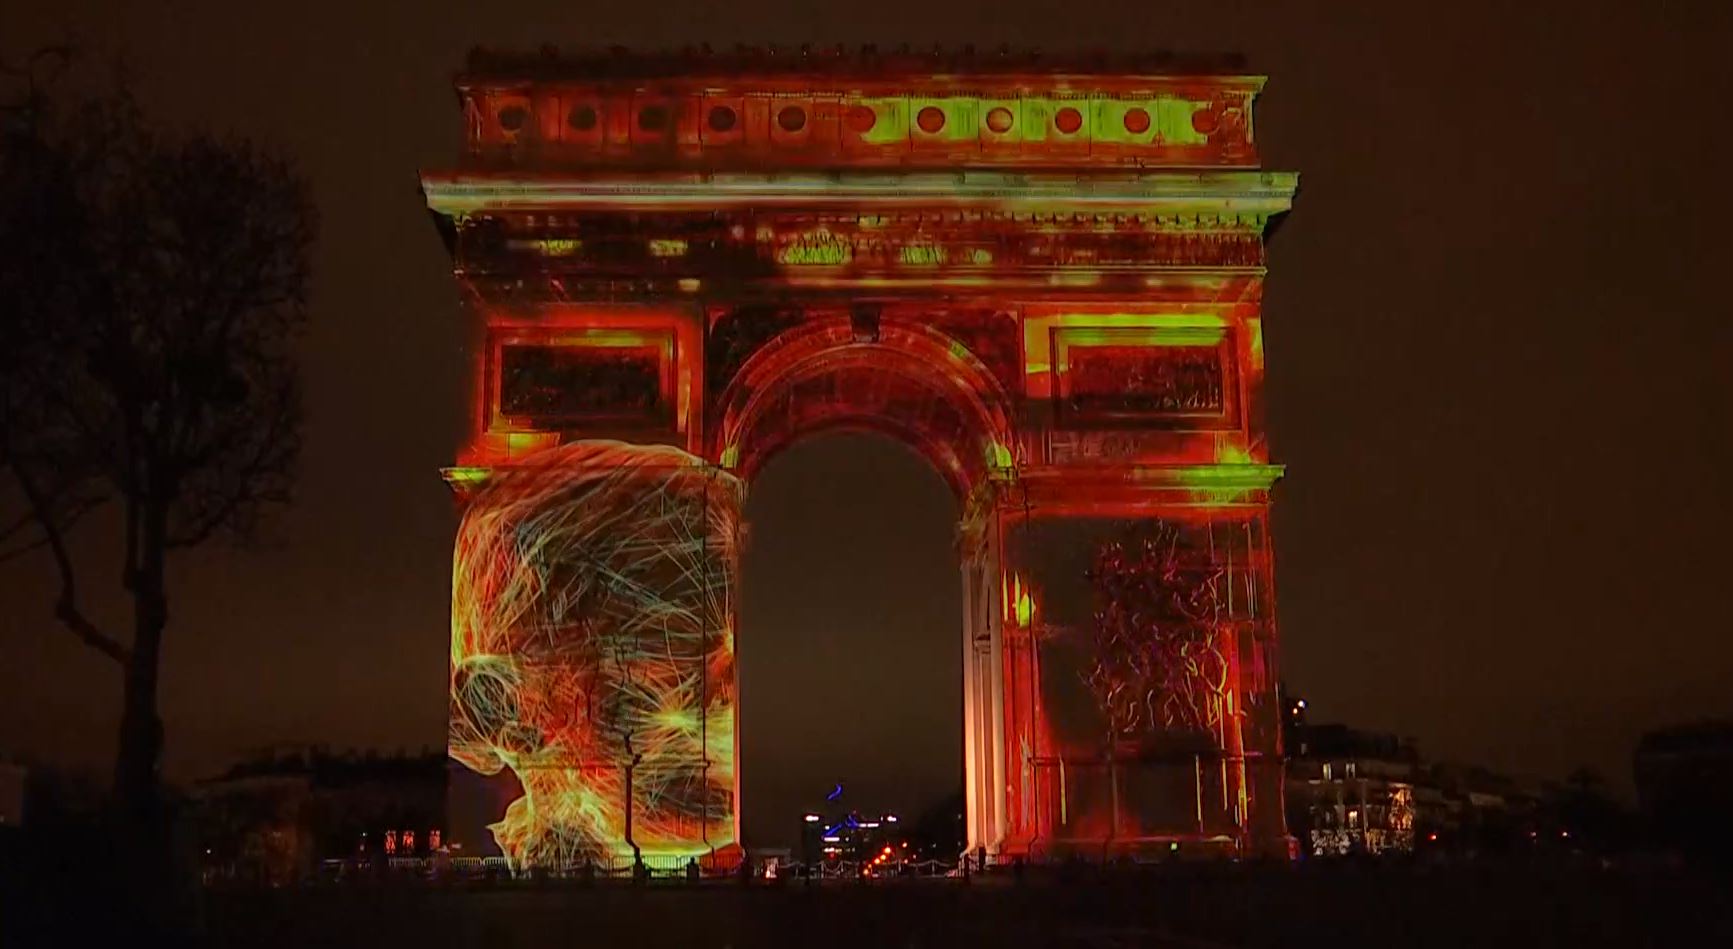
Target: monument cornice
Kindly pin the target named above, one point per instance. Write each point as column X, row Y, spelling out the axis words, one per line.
column 1263, row 193
column 1221, row 285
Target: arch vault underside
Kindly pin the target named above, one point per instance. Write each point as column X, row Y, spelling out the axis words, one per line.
column 1053, row 295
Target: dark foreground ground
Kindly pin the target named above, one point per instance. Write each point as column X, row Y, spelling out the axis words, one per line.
column 1337, row 906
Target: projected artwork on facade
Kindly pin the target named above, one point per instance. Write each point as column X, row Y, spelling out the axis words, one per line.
column 592, row 651
column 1044, row 276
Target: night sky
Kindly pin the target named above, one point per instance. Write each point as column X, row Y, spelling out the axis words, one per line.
column 1498, row 352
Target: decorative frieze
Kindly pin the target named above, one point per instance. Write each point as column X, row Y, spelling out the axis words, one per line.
column 549, row 386
column 749, row 245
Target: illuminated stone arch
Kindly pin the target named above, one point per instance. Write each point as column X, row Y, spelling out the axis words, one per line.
column 1045, row 276
column 901, row 379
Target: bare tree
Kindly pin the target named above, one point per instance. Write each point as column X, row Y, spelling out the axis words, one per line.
column 152, row 286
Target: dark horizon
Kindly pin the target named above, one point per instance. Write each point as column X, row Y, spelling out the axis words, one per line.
column 1493, row 377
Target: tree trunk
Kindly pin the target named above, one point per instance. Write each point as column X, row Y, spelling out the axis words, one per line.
column 140, row 746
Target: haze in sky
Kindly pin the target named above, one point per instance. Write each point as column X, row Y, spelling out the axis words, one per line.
column 1496, row 333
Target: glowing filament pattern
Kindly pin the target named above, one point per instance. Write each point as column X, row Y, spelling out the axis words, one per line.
column 1158, row 633
column 593, row 650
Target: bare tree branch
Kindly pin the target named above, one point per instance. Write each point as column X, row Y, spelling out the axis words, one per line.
column 66, row 606
column 63, row 515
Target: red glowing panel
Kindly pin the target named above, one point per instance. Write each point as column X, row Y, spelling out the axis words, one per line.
column 1132, row 381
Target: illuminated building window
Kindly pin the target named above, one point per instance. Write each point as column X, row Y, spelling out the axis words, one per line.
column 1327, row 772
column 667, row 247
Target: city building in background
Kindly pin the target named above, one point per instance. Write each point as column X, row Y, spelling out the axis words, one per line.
column 852, row 837
column 836, row 832
column 1043, row 274
column 1360, row 793
column 1354, row 792
column 12, row 785
column 277, row 816
column 1684, row 778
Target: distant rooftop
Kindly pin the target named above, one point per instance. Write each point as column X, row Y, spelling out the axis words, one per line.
column 1710, row 735
column 618, row 62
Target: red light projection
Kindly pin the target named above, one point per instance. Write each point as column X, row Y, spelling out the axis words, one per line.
column 593, row 651
column 1045, row 276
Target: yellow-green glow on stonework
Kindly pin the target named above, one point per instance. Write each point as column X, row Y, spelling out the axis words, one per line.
column 1073, row 279
column 1174, row 121
column 523, row 443
column 1038, row 120
column 1174, row 321
column 818, row 248
column 680, row 720
column 1227, row 483
column 559, row 246
column 922, row 255
column 1022, row 604
column 1110, row 123
column 599, row 336
column 1242, row 193
column 890, row 123
column 962, row 123
column 667, row 247
column 1230, row 454
column 465, row 477
column 1202, row 336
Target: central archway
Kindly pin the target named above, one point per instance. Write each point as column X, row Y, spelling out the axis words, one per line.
column 847, row 661
column 906, row 380
column 899, row 378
